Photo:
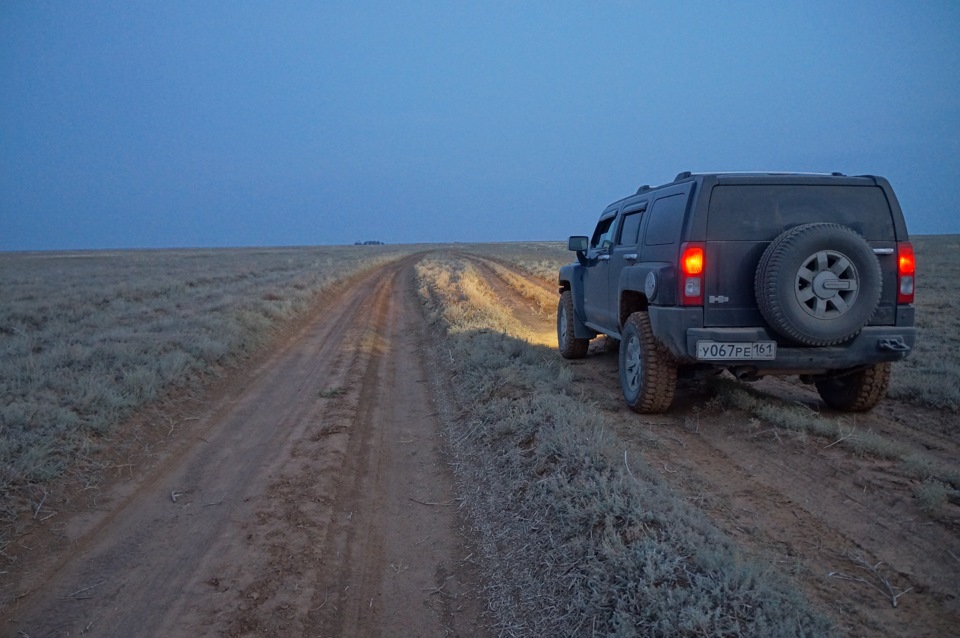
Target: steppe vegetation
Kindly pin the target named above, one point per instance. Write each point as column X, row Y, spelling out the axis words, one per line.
column 579, row 539
column 578, row 536
column 88, row 338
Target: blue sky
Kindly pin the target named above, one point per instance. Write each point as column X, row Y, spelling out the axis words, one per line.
column 177, row 124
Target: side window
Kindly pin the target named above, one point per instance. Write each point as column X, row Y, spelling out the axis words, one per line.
column 666, row 220
column 630, row 228
column 602, row 236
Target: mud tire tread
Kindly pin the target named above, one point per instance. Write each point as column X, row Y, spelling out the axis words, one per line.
column 658, row 371
column 856, row 392
column 571, row 347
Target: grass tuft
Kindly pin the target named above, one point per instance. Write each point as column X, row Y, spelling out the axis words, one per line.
column 933, row 495
column 837, row 431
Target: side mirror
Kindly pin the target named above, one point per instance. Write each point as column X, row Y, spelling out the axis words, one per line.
column 578, row 243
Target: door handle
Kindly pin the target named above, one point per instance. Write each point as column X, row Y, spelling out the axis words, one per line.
column 631, row 257
column 603, row 257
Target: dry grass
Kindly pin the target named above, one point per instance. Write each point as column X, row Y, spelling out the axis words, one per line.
column 834, row 431
column 929, row 376
column 86, row 339
column 579, row 539
column 542, row 298
column 540, row 259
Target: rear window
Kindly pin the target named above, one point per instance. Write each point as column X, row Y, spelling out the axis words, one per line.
column 761, row 212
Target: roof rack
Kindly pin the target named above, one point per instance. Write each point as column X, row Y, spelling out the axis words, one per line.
column 688, row 174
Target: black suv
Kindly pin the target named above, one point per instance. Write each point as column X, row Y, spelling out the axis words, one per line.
column 756, row 273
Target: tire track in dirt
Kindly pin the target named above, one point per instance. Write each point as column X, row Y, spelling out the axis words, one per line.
column 811, row 512
column 382, row 535
column 549, row 287
column 293, row 521
column 523, row 309
column 491, row 264
column 290, row 512
column 931, row 432
column 806, row 508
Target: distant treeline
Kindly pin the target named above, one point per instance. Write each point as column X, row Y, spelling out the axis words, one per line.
column 371, row 242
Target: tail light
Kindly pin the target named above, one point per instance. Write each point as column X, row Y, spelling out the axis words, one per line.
column 692, row 265
column 906, row 272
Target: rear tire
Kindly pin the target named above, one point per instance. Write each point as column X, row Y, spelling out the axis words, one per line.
column 856, row 392
column 570, row 346
column 648, row 374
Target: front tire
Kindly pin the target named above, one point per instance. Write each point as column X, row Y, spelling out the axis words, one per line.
column 648, row 374
column 856, row 392
column 570, row 346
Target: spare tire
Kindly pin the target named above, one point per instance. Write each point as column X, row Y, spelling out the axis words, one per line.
column 818, row 284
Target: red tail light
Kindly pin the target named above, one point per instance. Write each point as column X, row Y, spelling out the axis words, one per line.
column 906, row 272
column 692, row 267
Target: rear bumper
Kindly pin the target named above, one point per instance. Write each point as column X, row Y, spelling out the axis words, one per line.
column 681, row 328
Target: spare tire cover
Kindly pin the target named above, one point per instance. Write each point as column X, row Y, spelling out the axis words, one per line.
column 818, row 284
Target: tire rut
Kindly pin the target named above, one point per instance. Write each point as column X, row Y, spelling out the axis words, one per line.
column 539, row 321
column 248, row 529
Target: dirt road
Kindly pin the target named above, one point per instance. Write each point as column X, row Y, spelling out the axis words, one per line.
column 309, row 497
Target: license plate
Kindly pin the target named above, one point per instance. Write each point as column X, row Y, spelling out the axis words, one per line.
column 736, row 350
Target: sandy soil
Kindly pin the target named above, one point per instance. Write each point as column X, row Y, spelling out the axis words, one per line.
column 308, row 495
column 847, row 528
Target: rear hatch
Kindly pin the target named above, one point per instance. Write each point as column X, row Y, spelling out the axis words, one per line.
column 745, row 216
